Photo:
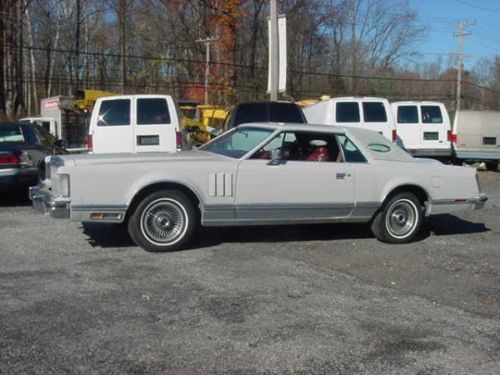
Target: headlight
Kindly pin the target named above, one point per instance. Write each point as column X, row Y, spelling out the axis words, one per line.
column 63, row 185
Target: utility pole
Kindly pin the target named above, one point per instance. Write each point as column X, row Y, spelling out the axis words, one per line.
column 274, row 52
column 207, row 42
column 460, row 58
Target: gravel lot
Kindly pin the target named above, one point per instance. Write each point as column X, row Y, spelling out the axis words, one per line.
column 326, row 299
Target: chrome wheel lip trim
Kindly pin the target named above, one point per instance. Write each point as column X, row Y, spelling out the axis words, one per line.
column 414, row 216
column 182, row 212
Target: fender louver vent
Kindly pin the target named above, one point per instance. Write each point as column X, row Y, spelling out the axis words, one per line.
column 220, row 184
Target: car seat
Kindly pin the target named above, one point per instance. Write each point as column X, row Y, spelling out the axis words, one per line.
column 319, row 154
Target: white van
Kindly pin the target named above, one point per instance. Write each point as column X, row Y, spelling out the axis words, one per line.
column 134, row 123
column 424, row 128
column 362, row 112
column 476, row 137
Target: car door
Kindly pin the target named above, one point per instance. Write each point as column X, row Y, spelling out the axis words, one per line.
column 295, row 188
column 154, row 128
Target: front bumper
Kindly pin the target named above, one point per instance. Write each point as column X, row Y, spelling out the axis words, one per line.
column 45, row 202
column 480, row 201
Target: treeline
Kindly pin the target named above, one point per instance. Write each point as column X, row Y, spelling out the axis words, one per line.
column 335, row 47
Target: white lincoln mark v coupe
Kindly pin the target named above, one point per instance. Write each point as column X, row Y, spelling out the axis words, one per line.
column 258, row 174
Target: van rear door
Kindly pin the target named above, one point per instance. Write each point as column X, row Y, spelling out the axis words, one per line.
column 408, row 125
column 434, row 127
column 112, row 129
column 155, row 125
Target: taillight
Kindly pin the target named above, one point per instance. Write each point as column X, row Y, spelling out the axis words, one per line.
column 178, row 140
column 394, row 135
column 10, row 159
column 90, row 143
column 452, row 137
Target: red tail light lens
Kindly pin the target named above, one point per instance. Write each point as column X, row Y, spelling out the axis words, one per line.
column 10, row 159
column 394, row 136
column 178, row 139
column 90, row 142
column 452, row 137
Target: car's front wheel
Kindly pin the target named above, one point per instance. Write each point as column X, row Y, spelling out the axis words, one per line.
column 163, row 221
column 399, row 219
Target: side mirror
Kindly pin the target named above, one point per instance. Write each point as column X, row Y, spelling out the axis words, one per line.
column 275, row 157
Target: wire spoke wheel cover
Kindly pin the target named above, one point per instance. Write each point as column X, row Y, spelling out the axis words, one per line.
column 164, row 222
column 401, row 218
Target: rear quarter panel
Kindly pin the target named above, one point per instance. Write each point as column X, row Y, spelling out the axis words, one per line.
column 377, row 179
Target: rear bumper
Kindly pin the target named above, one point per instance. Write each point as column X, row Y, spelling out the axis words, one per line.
column 430, row 152
column 477, row 155
column 447, row 206
column 11, row 178
column 45, row 202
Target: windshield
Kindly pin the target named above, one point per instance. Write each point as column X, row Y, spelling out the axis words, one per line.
column 237, row 142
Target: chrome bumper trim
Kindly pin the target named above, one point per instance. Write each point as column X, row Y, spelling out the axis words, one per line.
column 46, row 203
column 480, row 201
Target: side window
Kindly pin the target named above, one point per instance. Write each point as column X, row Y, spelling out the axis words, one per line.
column 347, row 112
column 302, row 146
column 152, row 111
column 351, row 152
column 408, row 114
column 374, row 112
column 48, row 138
column 114, row 113
column 46, row 125
column 274, row 144
column 38, row 135
column 431, row 114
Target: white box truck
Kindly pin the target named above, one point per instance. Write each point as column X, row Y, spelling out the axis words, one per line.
column 475, row 137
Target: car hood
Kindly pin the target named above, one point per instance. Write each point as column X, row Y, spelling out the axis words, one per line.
column 149, row 157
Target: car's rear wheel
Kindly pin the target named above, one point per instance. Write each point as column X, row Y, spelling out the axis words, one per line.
column 163, row 221
column 399, row 219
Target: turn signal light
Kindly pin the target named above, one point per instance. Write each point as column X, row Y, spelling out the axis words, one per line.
column 394, row 135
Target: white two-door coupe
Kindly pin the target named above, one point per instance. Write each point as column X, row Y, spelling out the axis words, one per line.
column 258, row 174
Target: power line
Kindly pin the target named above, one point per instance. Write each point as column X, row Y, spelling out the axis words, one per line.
column 478, row 7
